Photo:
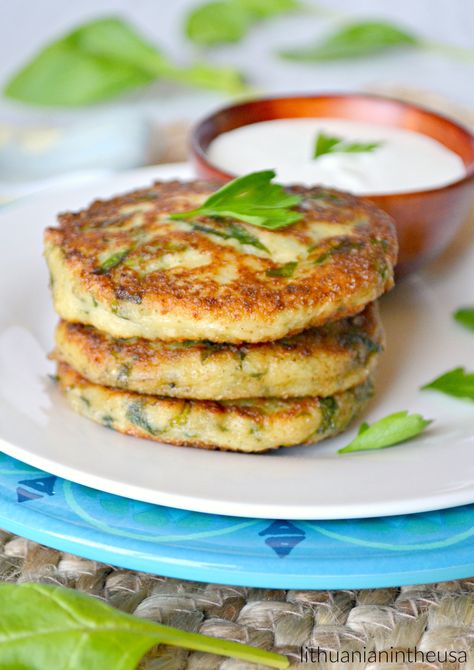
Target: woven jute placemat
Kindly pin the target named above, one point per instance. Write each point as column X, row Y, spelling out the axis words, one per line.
column 438, row 618
column 419, row 620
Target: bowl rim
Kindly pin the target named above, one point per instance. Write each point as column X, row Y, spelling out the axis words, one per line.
column 200, row 153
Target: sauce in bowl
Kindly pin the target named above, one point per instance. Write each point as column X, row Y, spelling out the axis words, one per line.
column 403, row 161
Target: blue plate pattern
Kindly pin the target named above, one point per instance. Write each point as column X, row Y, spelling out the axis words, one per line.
column 361, row 553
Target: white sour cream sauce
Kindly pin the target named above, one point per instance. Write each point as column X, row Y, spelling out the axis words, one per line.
column 405, row 161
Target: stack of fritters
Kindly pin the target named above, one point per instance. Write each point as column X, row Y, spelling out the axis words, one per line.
column 216, row 333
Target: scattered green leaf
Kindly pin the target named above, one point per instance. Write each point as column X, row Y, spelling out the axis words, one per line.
column 181, row 418
column 465, row 316
column 85, row 400
column 111, row 262
column 329, row 145
column 387, row 432
column 136, row 415
column 232, row 231
column 242, row 235
column 208, row 349
column 264, row 9
column 381, row 243
column 328, row 407
column 286, row 270
column 345, row 246
column 102, row 59
column 217, row 22
column 44, row 626
column 353, row 40
column 354, row 338
column 356, row 147
column 322, row 258
column 108, row 421
column 123, row 372
column 227, row 21
column 207, row 76
column 324, row 144
column 252, row 199
column 457, row 383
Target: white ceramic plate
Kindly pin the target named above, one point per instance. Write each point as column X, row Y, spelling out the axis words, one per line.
column 36, row 426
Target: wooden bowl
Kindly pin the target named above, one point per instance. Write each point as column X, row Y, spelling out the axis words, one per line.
column 426, row 220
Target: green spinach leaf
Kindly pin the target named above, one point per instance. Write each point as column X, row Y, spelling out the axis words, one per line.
column 227, row 21
column 102, row 59
column 51, row 627
column 354, row 40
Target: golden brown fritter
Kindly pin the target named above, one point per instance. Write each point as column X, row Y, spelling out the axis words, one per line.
column 254, row 425
column 124, row 267
column 318, row 362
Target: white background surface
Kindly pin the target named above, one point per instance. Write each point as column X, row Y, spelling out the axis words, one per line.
column 25, row 25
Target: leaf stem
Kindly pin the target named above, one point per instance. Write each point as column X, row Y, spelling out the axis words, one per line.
column 463, row 54
column 204, row 643
column 325, row 12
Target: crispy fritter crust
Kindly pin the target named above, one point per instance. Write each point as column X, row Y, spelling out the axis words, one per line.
column 249, row 426
column 317, row 362
column 124, row 267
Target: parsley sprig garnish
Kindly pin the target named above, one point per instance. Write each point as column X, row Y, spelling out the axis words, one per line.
column 457, row 383
column 387, row 432
column 252, row 199
column 465, row 316
column 326, row 144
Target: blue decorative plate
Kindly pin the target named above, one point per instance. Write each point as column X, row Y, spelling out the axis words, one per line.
column 360, row 553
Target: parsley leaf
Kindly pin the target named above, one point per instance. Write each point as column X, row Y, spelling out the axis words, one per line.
column 465, row 316
column 324, row 144
column 102, row 59
column 357, row 147
column 136, row 415
column 392, row 429
column 329, row 145
column 457, row 383
column 47, row 626
column 232, row 231
column 357, row 39
column 328, row 407
column 111, row 262
column 286, row 270
column 226, row 21
column 252, row 199
column 342, row 247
